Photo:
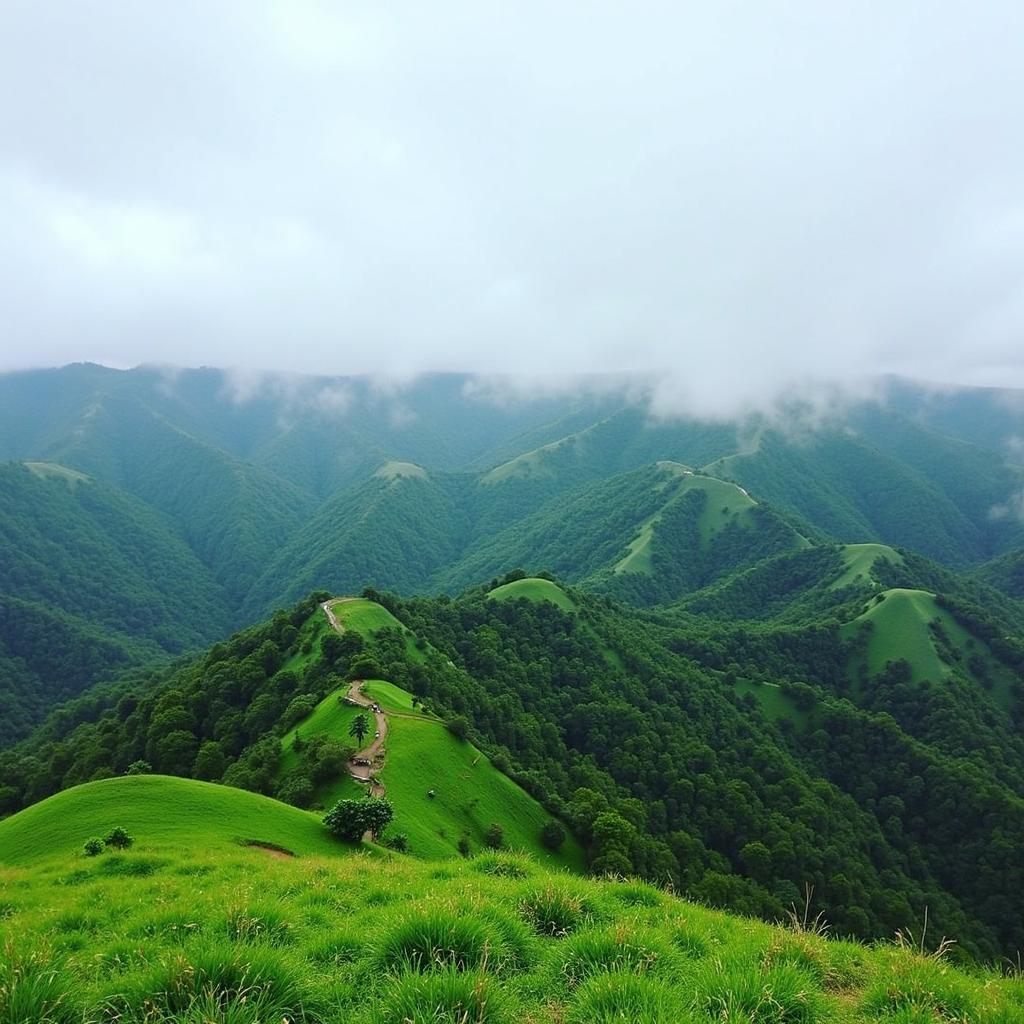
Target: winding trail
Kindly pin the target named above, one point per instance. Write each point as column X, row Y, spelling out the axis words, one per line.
column 374, row 753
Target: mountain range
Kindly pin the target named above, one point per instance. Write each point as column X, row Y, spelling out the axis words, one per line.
column 773, row 652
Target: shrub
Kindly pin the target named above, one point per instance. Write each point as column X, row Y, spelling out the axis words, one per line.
column 614, row 998
column 119, row 839
column 296, row 789
column 139, row 768
column 458, row 727
column 398, row 842
column 464, row 848
column 494, row 836
column 93, row 847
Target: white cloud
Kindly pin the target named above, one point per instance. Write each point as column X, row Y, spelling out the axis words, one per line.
column 732, row 201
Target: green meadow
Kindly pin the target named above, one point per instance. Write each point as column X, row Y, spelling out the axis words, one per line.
column 536, row 590
column 189, row 927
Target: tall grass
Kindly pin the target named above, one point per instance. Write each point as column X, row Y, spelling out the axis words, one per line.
column 444, row 997
column 241, row 938
column 617, row 998
column 34, row 990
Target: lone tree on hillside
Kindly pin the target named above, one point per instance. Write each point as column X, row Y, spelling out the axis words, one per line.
column 351, row 819
column 359, row 728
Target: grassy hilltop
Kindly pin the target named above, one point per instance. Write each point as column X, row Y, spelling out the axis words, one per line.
column 190, row 926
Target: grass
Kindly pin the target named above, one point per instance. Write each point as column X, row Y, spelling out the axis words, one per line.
column 214, row 932
column 366, row 617
column 903, row 628
column 860, row 559
column 396, row 470
column 535, row 590
column 774, row 703
column 158, row 809
column 726, row 504
column 389, row 696
column 469, row 795
column 53, row 470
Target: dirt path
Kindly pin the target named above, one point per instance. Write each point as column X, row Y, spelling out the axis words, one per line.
column 374, row 753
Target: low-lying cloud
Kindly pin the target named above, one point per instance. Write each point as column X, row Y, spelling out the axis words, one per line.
column 732, row 202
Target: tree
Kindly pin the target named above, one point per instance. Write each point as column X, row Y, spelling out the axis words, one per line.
column 139, row 768
column 351, row 819
column 296, row 789
column 210, row 762
column 359, row 728
column 494, row 837
column 458, row 727
column 552, row 835
column 377, row 813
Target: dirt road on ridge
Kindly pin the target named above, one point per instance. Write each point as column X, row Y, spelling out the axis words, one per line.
column 362, row 772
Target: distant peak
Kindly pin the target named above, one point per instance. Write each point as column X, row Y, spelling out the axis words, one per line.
column 398, row 470
column 47, row 470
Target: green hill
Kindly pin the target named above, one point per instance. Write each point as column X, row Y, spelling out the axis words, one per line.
column 444, row 790
column 909, row 626
column 859, row 561
column 182, row 930
column 533, row 589
column 160, row 810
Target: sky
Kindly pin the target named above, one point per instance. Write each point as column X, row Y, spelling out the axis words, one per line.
column 732, row 199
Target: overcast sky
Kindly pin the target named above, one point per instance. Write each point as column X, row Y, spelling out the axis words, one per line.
column 729, row 195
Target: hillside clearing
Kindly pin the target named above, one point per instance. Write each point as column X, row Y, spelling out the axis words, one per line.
column 534, row 589
column 182, row 814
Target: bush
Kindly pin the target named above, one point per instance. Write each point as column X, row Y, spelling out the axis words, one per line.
column 93, row 847
column 119, row 839
column 495, row 836
column 398, row 842
column 139, row 768
column 296, row 789
column 458, row 727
